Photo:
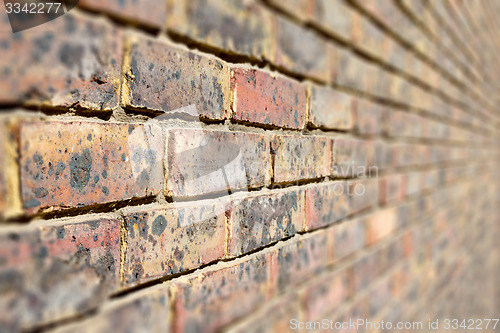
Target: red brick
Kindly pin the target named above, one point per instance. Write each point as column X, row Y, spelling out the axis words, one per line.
column 147, row 310
column 264, row 98
column 299, row 258
column 333, row 17
column 54, row 270
column 225, row 161
column 363, row 194
column 77, row 69
column 368, row 117
column 71, row 164
column 326, row 203
column 393, row 188
column 299, row 50
column 326, row 294
column 163, row 77
column 163, row 241
column 300, row 157
column 240, row 27
column 149, row 13
column 330, row 109
column 380, row 224
column 262, row 219
column 350, row 157
column 215, row 297
column 350, row 70
column 346, row 238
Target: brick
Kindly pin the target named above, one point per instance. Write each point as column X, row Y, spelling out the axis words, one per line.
column 363, row 194
column 346, row 238
column 54, row 270
column 268, row 99
column 350, row 157
column 326, row 203
column 149, row 13
column 333, row 17
column 300, row 157
column 78, row 69
column 241, row 27
column 379, row 296
column 301, row 9
column 273, row 317
column 147, row 310
column 380, row 224
column 262, row 219
column 299, row 259
column 393, row 188
column 350, row 71
column 299, row 50
column 364, row 271
column 163, row 241
column 368, row 117
column 330, row 109
column 211, row 299
column 71, row 164
column 196, row 166
column 163, row 77
column 326, row 294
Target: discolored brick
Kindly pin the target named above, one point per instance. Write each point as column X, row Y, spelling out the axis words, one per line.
column 326, row 203
column 212, row 298
column 363, row 193
column 150, row 13
column 299, row 50
column 301, row 157
column 334, row 17
column 72, row 164
column 78, row 69
column 350, row 157
column 264, row 98
column 346, row 238
column 231, row 26
column 261, row 219
column 380, row 225
column 202, row 161
column 330, row 109
column 52, row 271
column 162, row 77
column 393, row 188
column 368, row 117
column 163, row 241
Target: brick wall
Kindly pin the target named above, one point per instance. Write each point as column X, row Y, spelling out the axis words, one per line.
column 366, row 187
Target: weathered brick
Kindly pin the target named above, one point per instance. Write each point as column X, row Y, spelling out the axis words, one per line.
column 241, row 27
column 350, row 157
column 77, row 69
column 160, row 76
column 274, row 316
column 380, row 225
column 301, row 157
column 368, row 117
column 262, row 219
column 326, row 203
column 54, row 270
column 299, row 259
column 333, row 17
column 264, row 98
column 147, row 310
column 327, row 293
column 350, row 70
column 346, row 238
column 71, row 164
column 330, row 109
column 201, row 161
column 365, row 270
column 363, row 194
column 163, row 241
column 211, row 299
column 299, row 50
column 393, row 188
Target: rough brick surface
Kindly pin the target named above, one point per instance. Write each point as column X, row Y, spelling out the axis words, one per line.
column 200, row 161
column 300, row 157
column 263, row 98
column 166, row 241
column 50, row 271
column 241, row 27
column 330, row 109
column 71, row 164
column 79, row 69
column 258, row 220
column 326, row 204
column 162, row 77
column 213, row 298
